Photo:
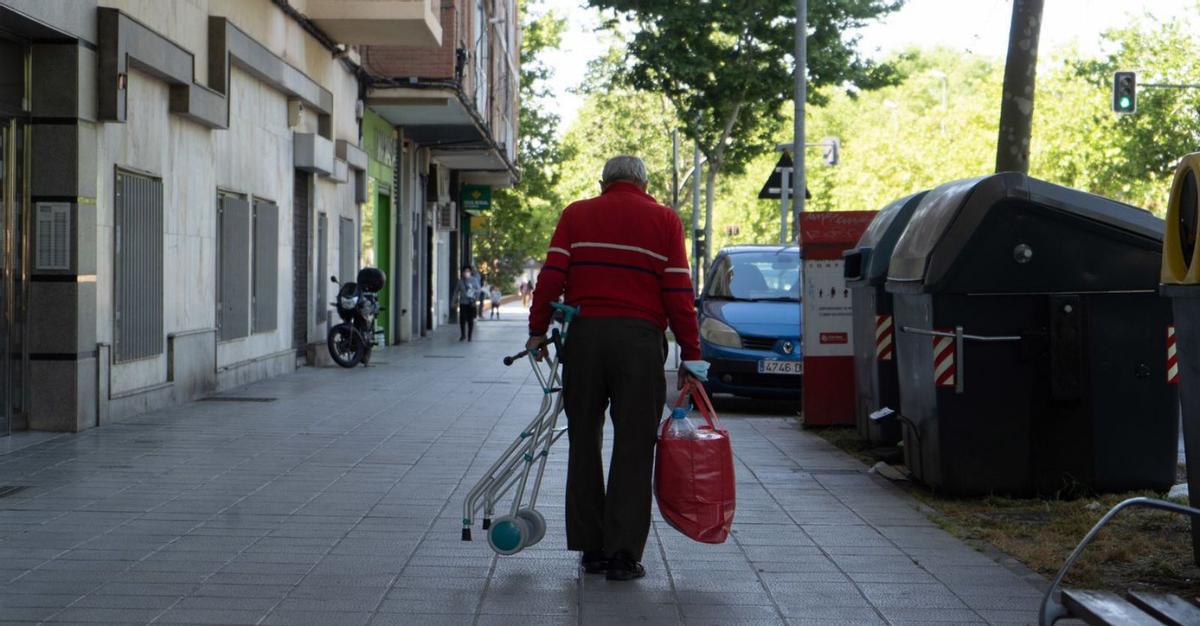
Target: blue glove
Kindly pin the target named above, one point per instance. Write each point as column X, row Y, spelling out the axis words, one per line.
column 699, row 369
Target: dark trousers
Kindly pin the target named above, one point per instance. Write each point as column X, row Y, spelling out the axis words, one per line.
column 466, row 320
column 614, row 363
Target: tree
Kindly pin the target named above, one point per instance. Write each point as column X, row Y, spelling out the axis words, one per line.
column 725, row 66
column 519, row 222
column 937, row 125
column 1082, row 143
column 616, row 119
column 902, row 139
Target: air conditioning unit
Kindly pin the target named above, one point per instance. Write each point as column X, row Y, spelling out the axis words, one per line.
column 447, row 216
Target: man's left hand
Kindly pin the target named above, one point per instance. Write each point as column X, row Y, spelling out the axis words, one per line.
column 681, row 377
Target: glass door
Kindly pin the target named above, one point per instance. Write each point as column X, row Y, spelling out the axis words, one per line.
column 14, row 213
column 8, row 191
column 13, row 279
column 16, row 253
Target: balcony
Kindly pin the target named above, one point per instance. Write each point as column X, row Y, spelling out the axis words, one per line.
column 378, row 22
column 443, row 119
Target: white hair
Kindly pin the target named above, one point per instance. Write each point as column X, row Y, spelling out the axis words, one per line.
column 624, row 167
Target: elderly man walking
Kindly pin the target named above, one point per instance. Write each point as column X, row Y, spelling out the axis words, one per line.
column 620, row 258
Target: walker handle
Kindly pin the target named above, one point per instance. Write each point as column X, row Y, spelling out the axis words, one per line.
column 567, row 310
column 553, row 338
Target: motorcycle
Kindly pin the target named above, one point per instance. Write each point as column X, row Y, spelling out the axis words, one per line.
column 357, row 304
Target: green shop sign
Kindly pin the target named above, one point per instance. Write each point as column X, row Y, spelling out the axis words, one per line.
column 476, row 197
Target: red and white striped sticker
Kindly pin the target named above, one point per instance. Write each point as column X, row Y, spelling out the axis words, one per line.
column 1172, row 358
column 885, row 346
column 944, row 368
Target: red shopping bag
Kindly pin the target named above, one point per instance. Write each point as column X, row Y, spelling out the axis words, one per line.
column 693, row 478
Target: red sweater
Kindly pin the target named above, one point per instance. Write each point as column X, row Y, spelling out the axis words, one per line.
column 620, row 254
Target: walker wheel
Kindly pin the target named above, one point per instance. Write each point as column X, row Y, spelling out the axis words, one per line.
column 537, row 525
column 508, row 534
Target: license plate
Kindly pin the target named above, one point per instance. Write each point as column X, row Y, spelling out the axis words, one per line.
column 772, row 366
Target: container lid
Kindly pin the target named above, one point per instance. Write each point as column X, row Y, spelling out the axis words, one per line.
column 929, row 221
column 879, row 240
column 1009, row 232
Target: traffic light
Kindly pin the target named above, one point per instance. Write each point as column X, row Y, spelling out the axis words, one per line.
column 1124, row 92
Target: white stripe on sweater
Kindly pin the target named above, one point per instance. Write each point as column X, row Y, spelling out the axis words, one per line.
column 617, row 246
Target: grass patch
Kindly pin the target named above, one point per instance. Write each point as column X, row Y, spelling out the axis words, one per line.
column 847, row 440
column 1140, row 549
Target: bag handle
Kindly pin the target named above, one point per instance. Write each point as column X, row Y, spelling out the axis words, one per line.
column 693, row 388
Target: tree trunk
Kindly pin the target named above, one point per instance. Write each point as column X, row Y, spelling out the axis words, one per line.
column 1020, row 73
column 715, row 158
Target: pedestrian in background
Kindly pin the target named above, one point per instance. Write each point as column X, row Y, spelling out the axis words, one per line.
column 480, row 296
column 526, row 291
column 467, row 292
column 620, row 259
column 496, row 295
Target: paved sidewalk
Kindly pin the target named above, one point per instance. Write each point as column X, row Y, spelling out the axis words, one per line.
column 339, row 502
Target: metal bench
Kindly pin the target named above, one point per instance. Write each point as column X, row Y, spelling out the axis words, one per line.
column 1104, row 608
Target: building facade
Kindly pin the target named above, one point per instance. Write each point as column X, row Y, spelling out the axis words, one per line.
column 455, row 107
column 178, row 180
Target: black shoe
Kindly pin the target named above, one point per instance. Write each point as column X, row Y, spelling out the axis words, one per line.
column 462, row 338
column 594, row 562
column 624, row 567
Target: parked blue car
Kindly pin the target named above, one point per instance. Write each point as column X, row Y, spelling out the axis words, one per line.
column 750, row 322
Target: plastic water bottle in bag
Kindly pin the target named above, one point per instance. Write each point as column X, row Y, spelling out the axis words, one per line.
column 680, row 427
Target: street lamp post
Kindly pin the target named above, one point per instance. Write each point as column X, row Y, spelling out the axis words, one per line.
column 798, row 128
column 696, row 256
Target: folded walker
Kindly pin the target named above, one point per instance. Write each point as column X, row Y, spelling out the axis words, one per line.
column 523, row 526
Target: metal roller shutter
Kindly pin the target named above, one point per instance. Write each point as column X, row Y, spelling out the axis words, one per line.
column 266, row 266
column 234, row 221
column 137, row 267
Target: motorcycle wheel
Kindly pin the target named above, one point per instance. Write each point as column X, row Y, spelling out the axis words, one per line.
column 344, row 345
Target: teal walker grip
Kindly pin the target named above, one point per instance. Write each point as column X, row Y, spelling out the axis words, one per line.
column 567, row 310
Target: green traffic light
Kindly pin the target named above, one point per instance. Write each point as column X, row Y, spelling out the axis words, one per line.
column 1125, row 102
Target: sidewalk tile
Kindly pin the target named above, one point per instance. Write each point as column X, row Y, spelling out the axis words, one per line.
column 315, row 618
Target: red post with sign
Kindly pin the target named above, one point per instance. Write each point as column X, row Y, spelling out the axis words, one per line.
column 827, row 319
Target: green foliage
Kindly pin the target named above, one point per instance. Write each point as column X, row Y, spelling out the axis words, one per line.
column 617, row 119
column 726, row 65
column 937, row 125
column 1080, row 142
column 521, row 218
column 901, row 139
